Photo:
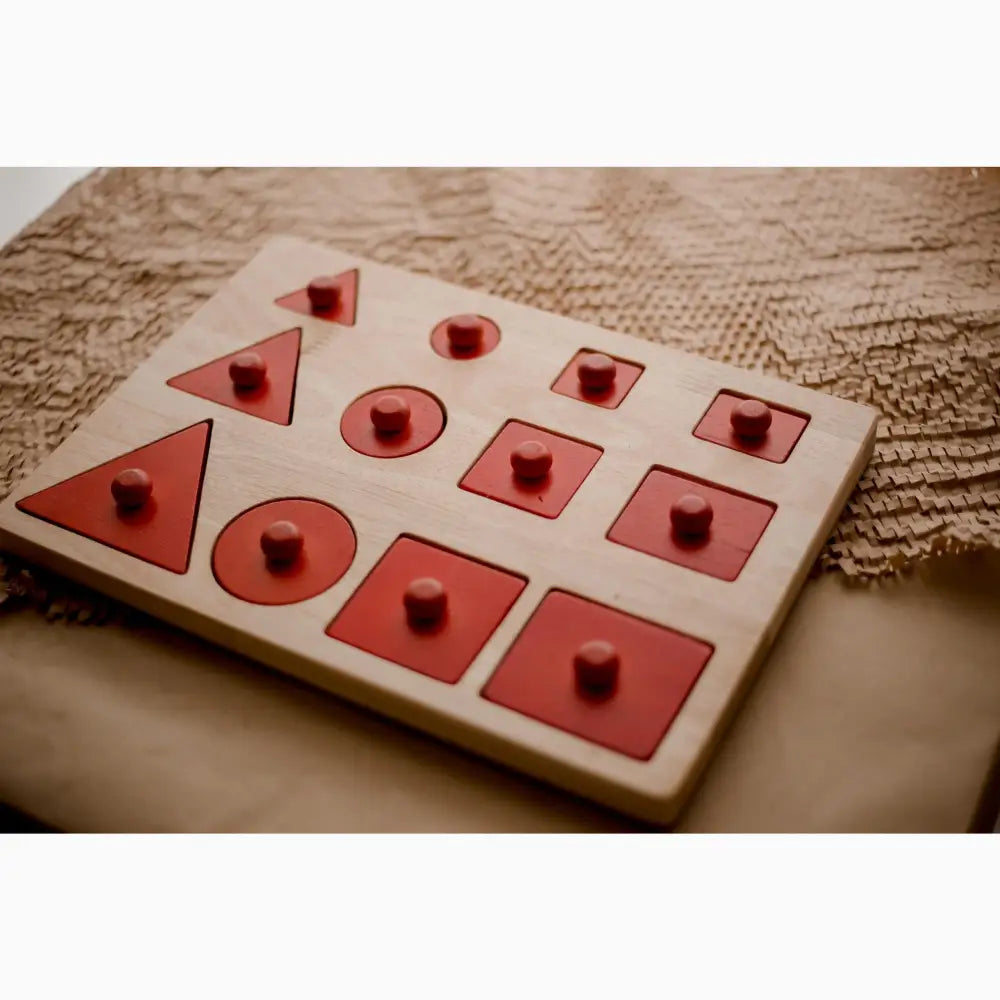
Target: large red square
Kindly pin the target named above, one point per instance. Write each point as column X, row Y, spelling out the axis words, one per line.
column 658, row 669
column 492, row 476
column 738, row 522
column 775, row 446
column 375, row 619
column 626, row 375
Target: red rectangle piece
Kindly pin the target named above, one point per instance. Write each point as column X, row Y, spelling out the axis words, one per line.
column 655, row 670
column 493, row 475
column 737, row 523
column 603, row 388
column 442, row 645
column 775, row 444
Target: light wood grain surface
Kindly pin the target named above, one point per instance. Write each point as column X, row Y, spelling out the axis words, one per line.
column 252, row 461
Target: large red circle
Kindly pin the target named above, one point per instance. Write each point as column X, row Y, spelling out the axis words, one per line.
column 426, row 422
column 328, row 550
column 441, row 343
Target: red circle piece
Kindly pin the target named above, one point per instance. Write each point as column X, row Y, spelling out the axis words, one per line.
column 424, row 426
column 464, row 337
column 327, row 551
column 691, row 515
column 750, row 418
column 131, row 488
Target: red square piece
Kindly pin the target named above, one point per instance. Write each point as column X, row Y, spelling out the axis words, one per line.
column 493, row 476
column 569, row 382
column 657, row 668
column 737, row 523
column 775, row 445
column 376, row 619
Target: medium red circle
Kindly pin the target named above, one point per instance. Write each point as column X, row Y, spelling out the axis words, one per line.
column 243, row 570
column 750, row 418
column 390, row 414
column 596, row 371
column 282, row 542
column 323, row 292
column 248, row 370
column 691, row 514
column 456, row 337
column 131, row 488
column 427, row 420
column 596, row 665
column 531, row 460
column 425, row 600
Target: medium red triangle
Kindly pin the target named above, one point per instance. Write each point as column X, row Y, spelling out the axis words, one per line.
column 159, row 532
column 273, row 400
column 345, row 312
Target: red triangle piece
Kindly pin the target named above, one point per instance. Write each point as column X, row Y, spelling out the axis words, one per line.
column 159, row 532
column 345, row 310
column 272, row 401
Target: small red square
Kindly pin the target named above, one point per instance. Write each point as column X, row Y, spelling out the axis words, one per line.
column 492, row 475
column 775, row 445
column 657, row 670
column 738, row 521
column 569, row 384
column 375, row 618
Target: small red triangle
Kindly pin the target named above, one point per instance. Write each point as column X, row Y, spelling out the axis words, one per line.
column 272, row 401
column 345, row 310
column 162, row 530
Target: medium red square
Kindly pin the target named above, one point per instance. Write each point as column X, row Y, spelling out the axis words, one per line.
column 775, row 446
column 375, row 619
column 738, row 522
column 626, row 375
column 492, row 476
column 658, row 669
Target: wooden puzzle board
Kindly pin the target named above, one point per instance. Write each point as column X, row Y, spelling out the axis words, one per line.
column 252, row 460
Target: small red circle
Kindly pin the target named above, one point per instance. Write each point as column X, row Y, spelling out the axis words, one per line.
column 282, row 541
column 465, row 332
column 596, row 371
column 131, row 488
column 425, row 600
column 390, row 414
column 241, row 570
column 750, row 418
column 464, row 337
column 323, row 292
column 691, row 515
column 248, row 370
column 531, row 460
column 424, row 426
column 596, row 665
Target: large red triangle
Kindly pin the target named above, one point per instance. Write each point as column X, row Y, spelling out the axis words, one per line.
column 345, row 310
column 159, row 532
column 273, row 400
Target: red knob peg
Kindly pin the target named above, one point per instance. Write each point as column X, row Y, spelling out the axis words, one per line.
column 691, row 515
column 596, row 666
column 531, row 460
column 324, row 293
column 596, row 371
column 248, row 370
column 750, row 418
column 281, row 542
column 465, row 332
column 131, row 488
column 390, row 414
column 425, row 600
